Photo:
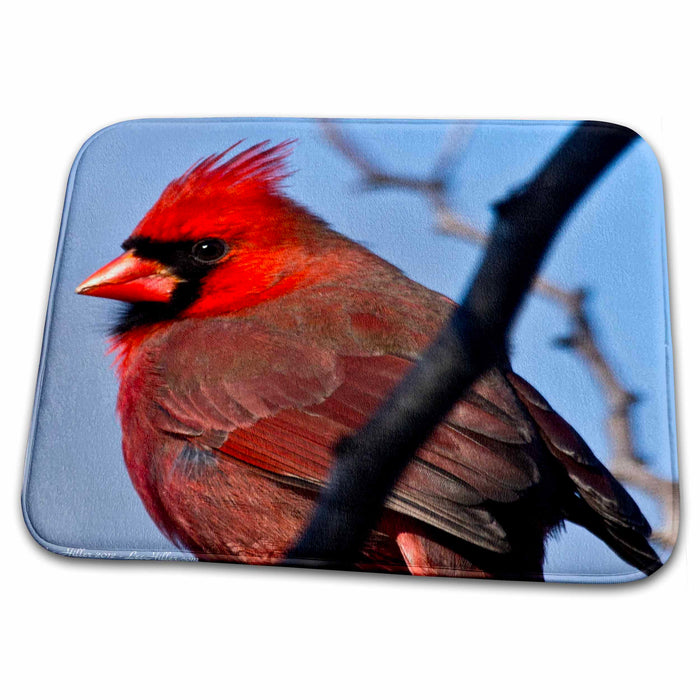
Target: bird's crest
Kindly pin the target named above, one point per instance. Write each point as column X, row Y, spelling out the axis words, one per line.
column 260, row 165
column 212, row 185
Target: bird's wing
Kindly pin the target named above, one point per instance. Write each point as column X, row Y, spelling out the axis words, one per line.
column 269, row 401
column 602, row 505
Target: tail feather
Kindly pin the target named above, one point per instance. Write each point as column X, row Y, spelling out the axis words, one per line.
column 631, row 546
column 598, row 501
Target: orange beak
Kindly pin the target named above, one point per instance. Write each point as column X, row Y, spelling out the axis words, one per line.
column 130, row 278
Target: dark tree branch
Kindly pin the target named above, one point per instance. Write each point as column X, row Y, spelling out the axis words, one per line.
column 625, row 461
column 369, row 463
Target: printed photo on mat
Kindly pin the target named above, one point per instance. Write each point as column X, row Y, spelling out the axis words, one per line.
column 250, row 292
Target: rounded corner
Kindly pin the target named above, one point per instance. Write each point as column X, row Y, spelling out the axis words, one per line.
column 95, row 136
column 641, row 141
column 651, row 155
column 671, row 550
column 641, row 576
column 33, row 531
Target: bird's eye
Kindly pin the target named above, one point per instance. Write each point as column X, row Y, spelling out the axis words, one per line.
column 209, row 250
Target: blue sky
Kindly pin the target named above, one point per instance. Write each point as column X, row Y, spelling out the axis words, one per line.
column 80, row 496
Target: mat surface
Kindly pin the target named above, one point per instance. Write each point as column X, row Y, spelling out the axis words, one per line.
column 275, row 282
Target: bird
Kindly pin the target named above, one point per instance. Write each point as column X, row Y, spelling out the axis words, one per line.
column 253, row 339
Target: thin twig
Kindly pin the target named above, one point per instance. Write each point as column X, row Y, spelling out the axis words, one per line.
column 625, row 462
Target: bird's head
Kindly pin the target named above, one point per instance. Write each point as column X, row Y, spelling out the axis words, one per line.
column 219, row 239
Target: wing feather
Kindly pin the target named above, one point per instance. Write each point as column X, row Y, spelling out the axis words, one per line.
column 282, row 407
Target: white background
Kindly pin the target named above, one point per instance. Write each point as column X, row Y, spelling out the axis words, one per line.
column 85, row 629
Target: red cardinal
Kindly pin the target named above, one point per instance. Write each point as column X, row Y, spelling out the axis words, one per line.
column 256, row 338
